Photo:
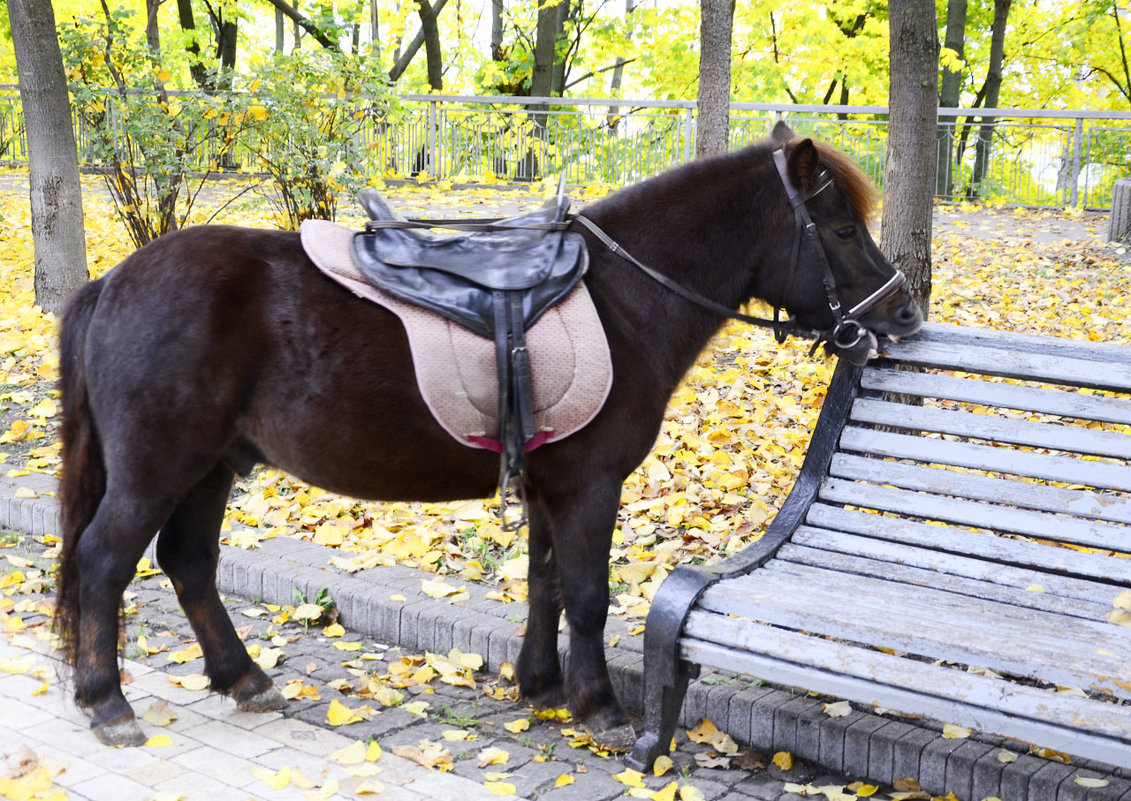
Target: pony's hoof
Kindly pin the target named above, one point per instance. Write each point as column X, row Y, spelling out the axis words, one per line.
column 269, row 700
column 122, row 732
column 614, row 738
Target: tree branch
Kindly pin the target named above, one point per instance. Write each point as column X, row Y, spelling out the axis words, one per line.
column 413, row 48
column 306, row 24
column 1126, row 88
column 620, row 63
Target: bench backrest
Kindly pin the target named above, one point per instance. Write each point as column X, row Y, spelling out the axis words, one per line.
column 961, row 434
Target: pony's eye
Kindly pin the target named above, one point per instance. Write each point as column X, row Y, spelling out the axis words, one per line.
column 847, row 232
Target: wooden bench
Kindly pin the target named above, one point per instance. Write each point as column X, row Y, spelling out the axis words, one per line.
column 955, row 546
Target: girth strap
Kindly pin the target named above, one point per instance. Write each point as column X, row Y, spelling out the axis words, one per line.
column 516, row 397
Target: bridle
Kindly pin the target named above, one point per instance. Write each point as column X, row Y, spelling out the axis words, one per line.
column 847, row 332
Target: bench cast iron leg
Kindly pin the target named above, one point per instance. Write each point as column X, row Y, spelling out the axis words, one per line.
column 662, row 704
column 665, row 674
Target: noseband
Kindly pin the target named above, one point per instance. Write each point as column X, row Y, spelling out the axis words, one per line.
column 846, row 331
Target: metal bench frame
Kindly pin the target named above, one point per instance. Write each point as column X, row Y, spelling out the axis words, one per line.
column 954, row 590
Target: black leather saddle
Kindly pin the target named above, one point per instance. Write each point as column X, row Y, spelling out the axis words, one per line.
column 457, row 276
column 496, row 278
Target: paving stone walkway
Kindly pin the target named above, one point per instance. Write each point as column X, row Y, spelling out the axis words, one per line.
column 217, row 752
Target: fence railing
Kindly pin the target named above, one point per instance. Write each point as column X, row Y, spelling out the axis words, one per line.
column 1024, row 157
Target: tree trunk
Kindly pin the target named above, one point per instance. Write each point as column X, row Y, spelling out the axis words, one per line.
column 196, row 68
column 374, row 30
column 55, row 193
column 497, row 30
column 909, row 175
column 226, row 50
column 992, row 92
column 545, row 45
column 618, row 70
column 949, row 96
column 432, row 50
column 152, row 33
column 557, row 79
column 280, row 31
column 713, row 102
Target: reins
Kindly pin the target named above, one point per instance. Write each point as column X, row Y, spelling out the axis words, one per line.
column 846, row 332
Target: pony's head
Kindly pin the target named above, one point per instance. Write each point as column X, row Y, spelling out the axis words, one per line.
column 838, row 283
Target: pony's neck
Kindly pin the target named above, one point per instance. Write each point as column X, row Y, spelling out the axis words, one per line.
column 709, row 225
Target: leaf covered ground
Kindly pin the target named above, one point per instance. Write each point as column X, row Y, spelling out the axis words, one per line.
column 735, row 432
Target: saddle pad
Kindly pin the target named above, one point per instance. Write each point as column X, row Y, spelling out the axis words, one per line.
column 455, row 368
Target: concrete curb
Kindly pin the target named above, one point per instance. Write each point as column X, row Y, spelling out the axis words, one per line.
column 862, row 745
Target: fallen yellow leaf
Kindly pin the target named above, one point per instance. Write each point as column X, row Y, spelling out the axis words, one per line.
column 952, row 732
column 500, row 788
column 159, row 714
column 341, row 715
column 493, row 756
column 159, row 741
column 704, row 732
column 193, row 681
column 352, row 754
column 784, row 760
column 630, row 778
column 662, row 765
column 516, row 726
column 564, row 780
column 276, row 780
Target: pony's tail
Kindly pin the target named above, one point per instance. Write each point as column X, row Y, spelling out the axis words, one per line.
column 84, row 473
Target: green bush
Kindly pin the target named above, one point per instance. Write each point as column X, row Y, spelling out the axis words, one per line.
column 308, row 115
column 148, row 142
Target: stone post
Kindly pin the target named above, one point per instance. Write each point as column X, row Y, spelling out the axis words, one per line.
column 1120, row 211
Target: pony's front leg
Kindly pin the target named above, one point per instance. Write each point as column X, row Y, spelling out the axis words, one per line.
column 582, row 535
column 539, row 671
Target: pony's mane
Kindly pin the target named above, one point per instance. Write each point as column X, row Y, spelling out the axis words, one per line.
column 856, row 187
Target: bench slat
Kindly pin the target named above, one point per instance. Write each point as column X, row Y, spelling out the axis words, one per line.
column 1080, row 503
column 1060, row 347
column 1013, row 592
column 1049, row 436
column 1101, row 475
column 931, row 623
column 871, row 678
column 973, row 543
column 1075, row 530
column 1072, row 588
column 1014, row 364
column 1044, row 400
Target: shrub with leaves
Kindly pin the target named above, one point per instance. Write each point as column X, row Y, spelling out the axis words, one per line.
column 149, row 143
column 308, row 115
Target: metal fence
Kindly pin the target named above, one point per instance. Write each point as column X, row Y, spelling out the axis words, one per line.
column 1023, row 157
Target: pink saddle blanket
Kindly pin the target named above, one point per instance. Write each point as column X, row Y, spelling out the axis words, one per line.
column 455, row 368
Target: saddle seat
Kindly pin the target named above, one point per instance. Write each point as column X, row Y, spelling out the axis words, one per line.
column 496, row 279
column 456, row 275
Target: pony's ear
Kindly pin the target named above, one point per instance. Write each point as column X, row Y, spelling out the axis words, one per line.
column 804, row 164
column 782, row 134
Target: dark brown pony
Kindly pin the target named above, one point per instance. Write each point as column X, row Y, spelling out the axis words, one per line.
column 215, row 348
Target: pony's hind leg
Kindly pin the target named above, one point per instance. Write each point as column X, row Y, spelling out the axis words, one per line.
column 107, row 556
column 539, row 670
column 188, row 549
